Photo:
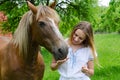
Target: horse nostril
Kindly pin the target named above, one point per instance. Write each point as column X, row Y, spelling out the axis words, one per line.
column 62, row 53
column 60, row 50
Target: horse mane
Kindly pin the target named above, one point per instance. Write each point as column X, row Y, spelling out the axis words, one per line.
column 20, row 38
column 21, row 35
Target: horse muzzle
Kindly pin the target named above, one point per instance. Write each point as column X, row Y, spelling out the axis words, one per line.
column 60, row 53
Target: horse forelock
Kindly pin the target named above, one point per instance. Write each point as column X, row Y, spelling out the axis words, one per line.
column 20, row 38
column 45, row 11
column 53, row 17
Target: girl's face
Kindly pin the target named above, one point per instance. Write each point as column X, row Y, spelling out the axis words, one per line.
column 78, row 37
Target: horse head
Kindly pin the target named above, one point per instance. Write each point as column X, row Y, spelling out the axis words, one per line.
column 45, row 32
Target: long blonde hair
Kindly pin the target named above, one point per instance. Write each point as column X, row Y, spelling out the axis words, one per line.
column 86, row 27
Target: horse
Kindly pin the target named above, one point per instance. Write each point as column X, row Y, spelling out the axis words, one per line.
column 20, row 56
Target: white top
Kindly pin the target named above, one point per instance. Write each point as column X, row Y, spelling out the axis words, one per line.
column 72, row 67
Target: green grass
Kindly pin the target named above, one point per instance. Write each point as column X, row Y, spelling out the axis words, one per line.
column 49, row 74
column 108, row 49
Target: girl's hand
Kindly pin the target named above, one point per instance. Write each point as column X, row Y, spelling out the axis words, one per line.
column 88, row 69
column 88, row 72
column 85, row 70
column 56, row 64
column 59, row 62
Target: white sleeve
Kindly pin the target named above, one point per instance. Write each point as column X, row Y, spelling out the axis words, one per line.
column 91, row 57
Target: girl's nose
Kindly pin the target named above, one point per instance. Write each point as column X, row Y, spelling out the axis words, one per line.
column 76, row 38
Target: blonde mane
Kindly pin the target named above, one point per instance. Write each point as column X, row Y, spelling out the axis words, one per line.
column 20, row 38
column 44, row 11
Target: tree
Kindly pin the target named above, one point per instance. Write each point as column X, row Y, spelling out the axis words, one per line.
column 111, row 18
column 14, row 10
column 75, row 11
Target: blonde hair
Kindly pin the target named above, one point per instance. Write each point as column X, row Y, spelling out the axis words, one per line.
column 86, row 27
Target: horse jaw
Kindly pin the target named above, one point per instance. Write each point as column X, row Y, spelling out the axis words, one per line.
column 32, row 7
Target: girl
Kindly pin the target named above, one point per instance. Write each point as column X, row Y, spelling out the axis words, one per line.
column 79, row 64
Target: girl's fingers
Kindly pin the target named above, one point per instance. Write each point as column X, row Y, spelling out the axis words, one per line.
column 61, row 61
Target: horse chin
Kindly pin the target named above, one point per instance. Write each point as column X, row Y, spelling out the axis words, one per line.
column 60, row 56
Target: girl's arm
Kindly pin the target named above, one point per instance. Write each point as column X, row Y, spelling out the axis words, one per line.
column 54, row 65
column 89, row 70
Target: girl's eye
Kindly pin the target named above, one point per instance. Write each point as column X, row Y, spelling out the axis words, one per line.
column 76, row 35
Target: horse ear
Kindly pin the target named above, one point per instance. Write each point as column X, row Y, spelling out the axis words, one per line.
column 32, row 7
column 52, row 5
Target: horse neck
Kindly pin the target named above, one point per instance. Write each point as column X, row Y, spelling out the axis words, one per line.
column 32, row 53
column 28, row 58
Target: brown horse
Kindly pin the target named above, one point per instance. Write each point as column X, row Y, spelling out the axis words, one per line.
column 20, row 58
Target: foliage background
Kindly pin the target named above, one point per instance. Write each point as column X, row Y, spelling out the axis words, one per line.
column 105, row 19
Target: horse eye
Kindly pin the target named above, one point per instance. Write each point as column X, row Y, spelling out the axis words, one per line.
column 42, row 24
